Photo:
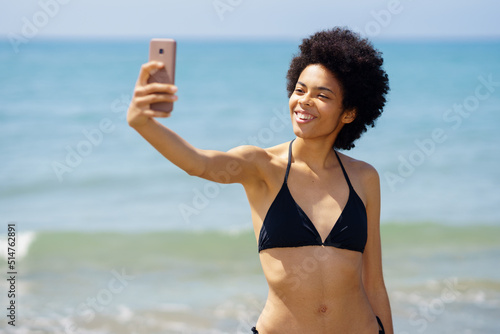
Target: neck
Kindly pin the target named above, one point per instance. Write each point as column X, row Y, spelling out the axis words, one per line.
column 317, row 153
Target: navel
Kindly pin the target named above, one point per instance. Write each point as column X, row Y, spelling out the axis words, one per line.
column 323, row 308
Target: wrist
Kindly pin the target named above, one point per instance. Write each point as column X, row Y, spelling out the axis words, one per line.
column 140, row 124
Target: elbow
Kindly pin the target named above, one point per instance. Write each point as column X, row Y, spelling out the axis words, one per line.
column 196, row 169
column 192, row 162
column 194, row 172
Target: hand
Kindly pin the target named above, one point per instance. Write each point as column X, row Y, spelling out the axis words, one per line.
column 139, row 112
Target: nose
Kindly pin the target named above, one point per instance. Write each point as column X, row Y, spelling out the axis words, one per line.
column 305, row 100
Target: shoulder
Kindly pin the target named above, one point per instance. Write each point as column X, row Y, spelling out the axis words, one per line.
column 267, row 163
column 260, row 155
column 361, row 170
column 363, row 176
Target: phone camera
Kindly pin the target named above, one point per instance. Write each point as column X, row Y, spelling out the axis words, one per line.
column 161, row 51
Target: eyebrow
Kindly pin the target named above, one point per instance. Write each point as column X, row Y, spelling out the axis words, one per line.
column 320, row 87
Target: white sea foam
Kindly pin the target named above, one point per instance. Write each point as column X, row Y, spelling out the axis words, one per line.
column 125, row 314
column 23, row 241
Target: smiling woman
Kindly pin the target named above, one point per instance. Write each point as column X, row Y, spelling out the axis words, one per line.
column 315, row 212
column 356, row 68
column 317, row 101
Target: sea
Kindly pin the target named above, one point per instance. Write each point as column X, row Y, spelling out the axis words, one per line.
column 100, row 234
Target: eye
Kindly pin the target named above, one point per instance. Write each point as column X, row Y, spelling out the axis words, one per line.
column 323, row 96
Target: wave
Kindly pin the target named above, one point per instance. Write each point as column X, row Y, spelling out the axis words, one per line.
column 21, row 243
column 231, row 245
column 191, row 281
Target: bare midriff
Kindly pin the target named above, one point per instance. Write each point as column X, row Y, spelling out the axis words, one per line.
column 315, row 289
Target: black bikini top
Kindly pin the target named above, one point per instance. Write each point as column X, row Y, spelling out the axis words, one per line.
column 287, row 225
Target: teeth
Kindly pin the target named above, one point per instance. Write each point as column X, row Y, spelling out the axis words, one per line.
column 304, row 116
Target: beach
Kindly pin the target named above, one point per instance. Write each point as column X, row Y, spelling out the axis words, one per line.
column 112, row 238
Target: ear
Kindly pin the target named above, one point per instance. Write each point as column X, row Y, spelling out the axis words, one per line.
column 348, row 116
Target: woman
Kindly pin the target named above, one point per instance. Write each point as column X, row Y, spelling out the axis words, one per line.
column 315, row 212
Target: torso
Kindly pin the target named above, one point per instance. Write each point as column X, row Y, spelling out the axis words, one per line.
column 312, row 289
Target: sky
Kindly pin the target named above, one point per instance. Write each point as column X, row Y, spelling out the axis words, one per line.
column 249, row 19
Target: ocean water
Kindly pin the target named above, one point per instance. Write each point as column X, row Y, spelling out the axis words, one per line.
column 112, row 238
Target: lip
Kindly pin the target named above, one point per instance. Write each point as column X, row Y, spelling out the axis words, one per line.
column 303, row 112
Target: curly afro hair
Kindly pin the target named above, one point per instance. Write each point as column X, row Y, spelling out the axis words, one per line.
column 358, row 67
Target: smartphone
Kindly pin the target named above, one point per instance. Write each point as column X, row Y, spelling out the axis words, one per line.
column 163, row 50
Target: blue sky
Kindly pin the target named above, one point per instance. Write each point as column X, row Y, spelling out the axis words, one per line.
column 400, row 19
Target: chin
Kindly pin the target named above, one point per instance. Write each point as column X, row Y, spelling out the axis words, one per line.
column 308, row 135
column 301, row 134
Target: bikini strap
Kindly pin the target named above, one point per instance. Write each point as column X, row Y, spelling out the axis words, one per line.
column 382, row 330
column 289, row 160
column 343, row 170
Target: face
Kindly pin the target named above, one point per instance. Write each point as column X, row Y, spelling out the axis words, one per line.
column 316, row 104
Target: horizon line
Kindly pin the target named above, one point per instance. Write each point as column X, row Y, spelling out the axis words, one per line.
column 253, row 38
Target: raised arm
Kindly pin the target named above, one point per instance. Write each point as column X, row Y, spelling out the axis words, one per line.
column 239, row 165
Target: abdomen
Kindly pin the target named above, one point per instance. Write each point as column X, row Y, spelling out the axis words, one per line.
column 314, row 289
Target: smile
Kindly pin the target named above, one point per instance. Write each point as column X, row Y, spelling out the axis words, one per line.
column 303, row 117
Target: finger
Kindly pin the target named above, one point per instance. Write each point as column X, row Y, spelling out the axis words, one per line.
column 154, row 98
column 147, row 70
column 155, row 88
column 157, row 114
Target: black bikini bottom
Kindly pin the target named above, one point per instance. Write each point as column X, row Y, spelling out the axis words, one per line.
column 381, row 331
